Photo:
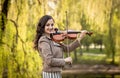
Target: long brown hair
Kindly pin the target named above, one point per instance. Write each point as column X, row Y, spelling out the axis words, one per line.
column 40, row 29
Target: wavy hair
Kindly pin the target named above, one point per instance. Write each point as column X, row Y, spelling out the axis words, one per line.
column 40, row 29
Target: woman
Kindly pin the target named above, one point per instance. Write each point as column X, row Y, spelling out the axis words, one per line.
column 52, row 52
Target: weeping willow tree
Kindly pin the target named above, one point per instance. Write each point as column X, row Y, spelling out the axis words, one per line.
column 72, row 8
column 18, row 18
column 104, row 18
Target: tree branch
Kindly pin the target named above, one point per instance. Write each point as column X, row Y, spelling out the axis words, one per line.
column 17, row 35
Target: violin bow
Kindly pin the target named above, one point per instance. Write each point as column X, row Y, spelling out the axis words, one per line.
column 68, row 52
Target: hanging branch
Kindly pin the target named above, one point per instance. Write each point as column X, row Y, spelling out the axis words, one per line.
column 18, row 36
column 39, row 2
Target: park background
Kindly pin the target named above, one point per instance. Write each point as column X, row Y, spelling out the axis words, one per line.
column 18, row 20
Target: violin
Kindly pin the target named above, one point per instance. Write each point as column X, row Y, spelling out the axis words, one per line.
column 59, row 36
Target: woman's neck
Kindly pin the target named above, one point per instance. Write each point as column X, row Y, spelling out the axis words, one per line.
column 48, row 35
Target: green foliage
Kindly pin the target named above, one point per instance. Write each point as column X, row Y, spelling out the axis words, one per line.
column 17, row 57
column 19, row 60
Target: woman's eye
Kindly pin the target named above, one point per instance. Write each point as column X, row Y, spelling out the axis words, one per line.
column 47, row 24
column 52, row 24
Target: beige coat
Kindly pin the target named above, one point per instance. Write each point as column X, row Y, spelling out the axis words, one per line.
column 52, row 53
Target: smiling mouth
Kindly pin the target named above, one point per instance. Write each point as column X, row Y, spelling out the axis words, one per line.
column 51, row 30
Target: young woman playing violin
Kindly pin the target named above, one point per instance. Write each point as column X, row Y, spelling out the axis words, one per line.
column 50, row 50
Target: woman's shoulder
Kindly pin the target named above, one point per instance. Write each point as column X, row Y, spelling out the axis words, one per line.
column 43, row 39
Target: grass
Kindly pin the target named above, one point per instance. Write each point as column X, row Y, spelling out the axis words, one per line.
column 93, row 56
column 90, row 59
column 95, row 51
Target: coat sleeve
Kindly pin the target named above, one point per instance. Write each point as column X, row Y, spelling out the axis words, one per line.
column 72, row 46
column 45, row 51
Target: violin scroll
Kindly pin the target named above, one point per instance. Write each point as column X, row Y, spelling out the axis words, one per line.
column 89, row 33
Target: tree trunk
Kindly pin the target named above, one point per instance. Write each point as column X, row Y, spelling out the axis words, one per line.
column 112, row 47
column 3, row 21
column 100, row 47
column 75, row 55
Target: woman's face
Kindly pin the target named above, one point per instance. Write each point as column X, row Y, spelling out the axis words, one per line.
column 49, row 26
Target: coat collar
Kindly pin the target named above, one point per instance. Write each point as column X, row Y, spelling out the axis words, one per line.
column 47, row 36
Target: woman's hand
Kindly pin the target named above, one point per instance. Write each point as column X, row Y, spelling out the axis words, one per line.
column 82, row 35
column 68, row 60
